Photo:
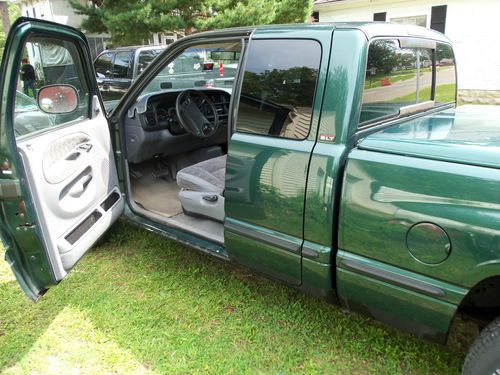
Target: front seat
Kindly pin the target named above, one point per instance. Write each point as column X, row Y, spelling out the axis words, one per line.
column 202, row 186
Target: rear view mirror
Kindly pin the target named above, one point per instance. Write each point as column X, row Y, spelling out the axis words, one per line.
column 57, row 99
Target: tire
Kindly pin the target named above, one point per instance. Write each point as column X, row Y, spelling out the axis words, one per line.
column 484, row 355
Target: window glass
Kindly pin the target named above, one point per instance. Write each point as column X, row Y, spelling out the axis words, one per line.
column 424, row 57
column 49, row 62
column 196, row 68
column 446, row 85
column 145, row 58
column 278, row 88
column 395, row 77
column 103, row 65
column 122, row 64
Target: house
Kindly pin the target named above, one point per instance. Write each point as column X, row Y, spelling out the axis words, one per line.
column 470, row 25
column 60, row 11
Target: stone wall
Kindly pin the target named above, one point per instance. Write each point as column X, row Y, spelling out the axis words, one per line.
column 479, row 96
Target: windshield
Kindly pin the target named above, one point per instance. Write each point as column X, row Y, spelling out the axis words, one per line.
column 200, row 66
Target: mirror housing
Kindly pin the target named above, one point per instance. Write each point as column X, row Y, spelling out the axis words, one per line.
column 57, row 99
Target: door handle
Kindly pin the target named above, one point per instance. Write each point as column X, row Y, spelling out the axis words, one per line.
column 73, row 156
column 84, row 147
column 79, row 186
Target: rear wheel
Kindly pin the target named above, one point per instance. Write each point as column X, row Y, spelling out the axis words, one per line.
column 484, row 355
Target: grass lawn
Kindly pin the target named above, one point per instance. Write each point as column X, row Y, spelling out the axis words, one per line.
column 445, row 94
column 394, row 76
column 141, row 304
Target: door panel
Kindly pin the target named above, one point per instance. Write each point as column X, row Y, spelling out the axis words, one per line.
column 265, row 184
column 58, row 182
column 71, row 173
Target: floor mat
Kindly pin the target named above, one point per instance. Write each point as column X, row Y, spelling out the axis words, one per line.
column 156, row 194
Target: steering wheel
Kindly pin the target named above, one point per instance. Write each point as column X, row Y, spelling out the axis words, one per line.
column 191, row 112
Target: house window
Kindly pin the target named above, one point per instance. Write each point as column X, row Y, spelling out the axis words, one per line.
column 414, row 20
column 438, row 18
column 380, row 16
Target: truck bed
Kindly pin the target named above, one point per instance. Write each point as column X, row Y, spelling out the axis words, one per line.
column 468, row 134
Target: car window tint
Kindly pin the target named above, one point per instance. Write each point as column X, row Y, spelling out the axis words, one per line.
column 278, row 88
column 145, row 58
column 48, row 62
column 446, row 86
column 398, row 77
column 103, row 65
column 121, row 65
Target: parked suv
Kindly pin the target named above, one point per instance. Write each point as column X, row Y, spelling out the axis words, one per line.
column 116, row 69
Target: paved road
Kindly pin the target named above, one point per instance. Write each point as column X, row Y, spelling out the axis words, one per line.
column 402, row 88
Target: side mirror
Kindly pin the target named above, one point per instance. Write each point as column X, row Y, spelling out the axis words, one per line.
column 57, row 99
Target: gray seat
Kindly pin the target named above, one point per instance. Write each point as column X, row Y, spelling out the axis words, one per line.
column 201, row 186
column 207, row 175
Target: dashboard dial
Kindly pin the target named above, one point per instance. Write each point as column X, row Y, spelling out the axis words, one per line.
column 162, row 115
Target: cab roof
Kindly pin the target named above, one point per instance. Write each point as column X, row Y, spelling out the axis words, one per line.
column 370, row 29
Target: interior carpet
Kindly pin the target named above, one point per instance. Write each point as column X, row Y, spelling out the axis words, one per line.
column 157, row 195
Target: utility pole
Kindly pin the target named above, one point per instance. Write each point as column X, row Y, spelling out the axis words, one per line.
column 4, row 9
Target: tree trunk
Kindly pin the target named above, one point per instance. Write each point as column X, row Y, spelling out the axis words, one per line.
column 4, row 9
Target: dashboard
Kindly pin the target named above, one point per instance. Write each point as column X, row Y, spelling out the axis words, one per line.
column 153, row 129
column 161, row 114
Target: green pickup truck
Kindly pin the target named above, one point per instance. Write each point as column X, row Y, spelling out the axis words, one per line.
column 330, row 157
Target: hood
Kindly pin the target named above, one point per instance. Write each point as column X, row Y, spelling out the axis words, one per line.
column 469, row 134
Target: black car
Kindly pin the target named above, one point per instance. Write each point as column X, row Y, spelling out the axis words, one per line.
column 116, row 69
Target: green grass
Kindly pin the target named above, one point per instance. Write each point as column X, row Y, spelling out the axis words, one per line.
column 444, row 94
column 141, row 304
column 394, row 76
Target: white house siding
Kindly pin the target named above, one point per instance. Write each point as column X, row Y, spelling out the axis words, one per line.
column 59, row 11
column 470, row 25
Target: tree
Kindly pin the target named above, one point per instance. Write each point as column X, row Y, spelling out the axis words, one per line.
column 383, row 56
column 13, row 12
column 228, row 13
column 133, row 21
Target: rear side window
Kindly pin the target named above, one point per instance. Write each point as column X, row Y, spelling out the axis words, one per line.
column 278, row 88
column 399, row 77
column 446, row 85
column 103, row 65
column 145, row 58
column 122, row 64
